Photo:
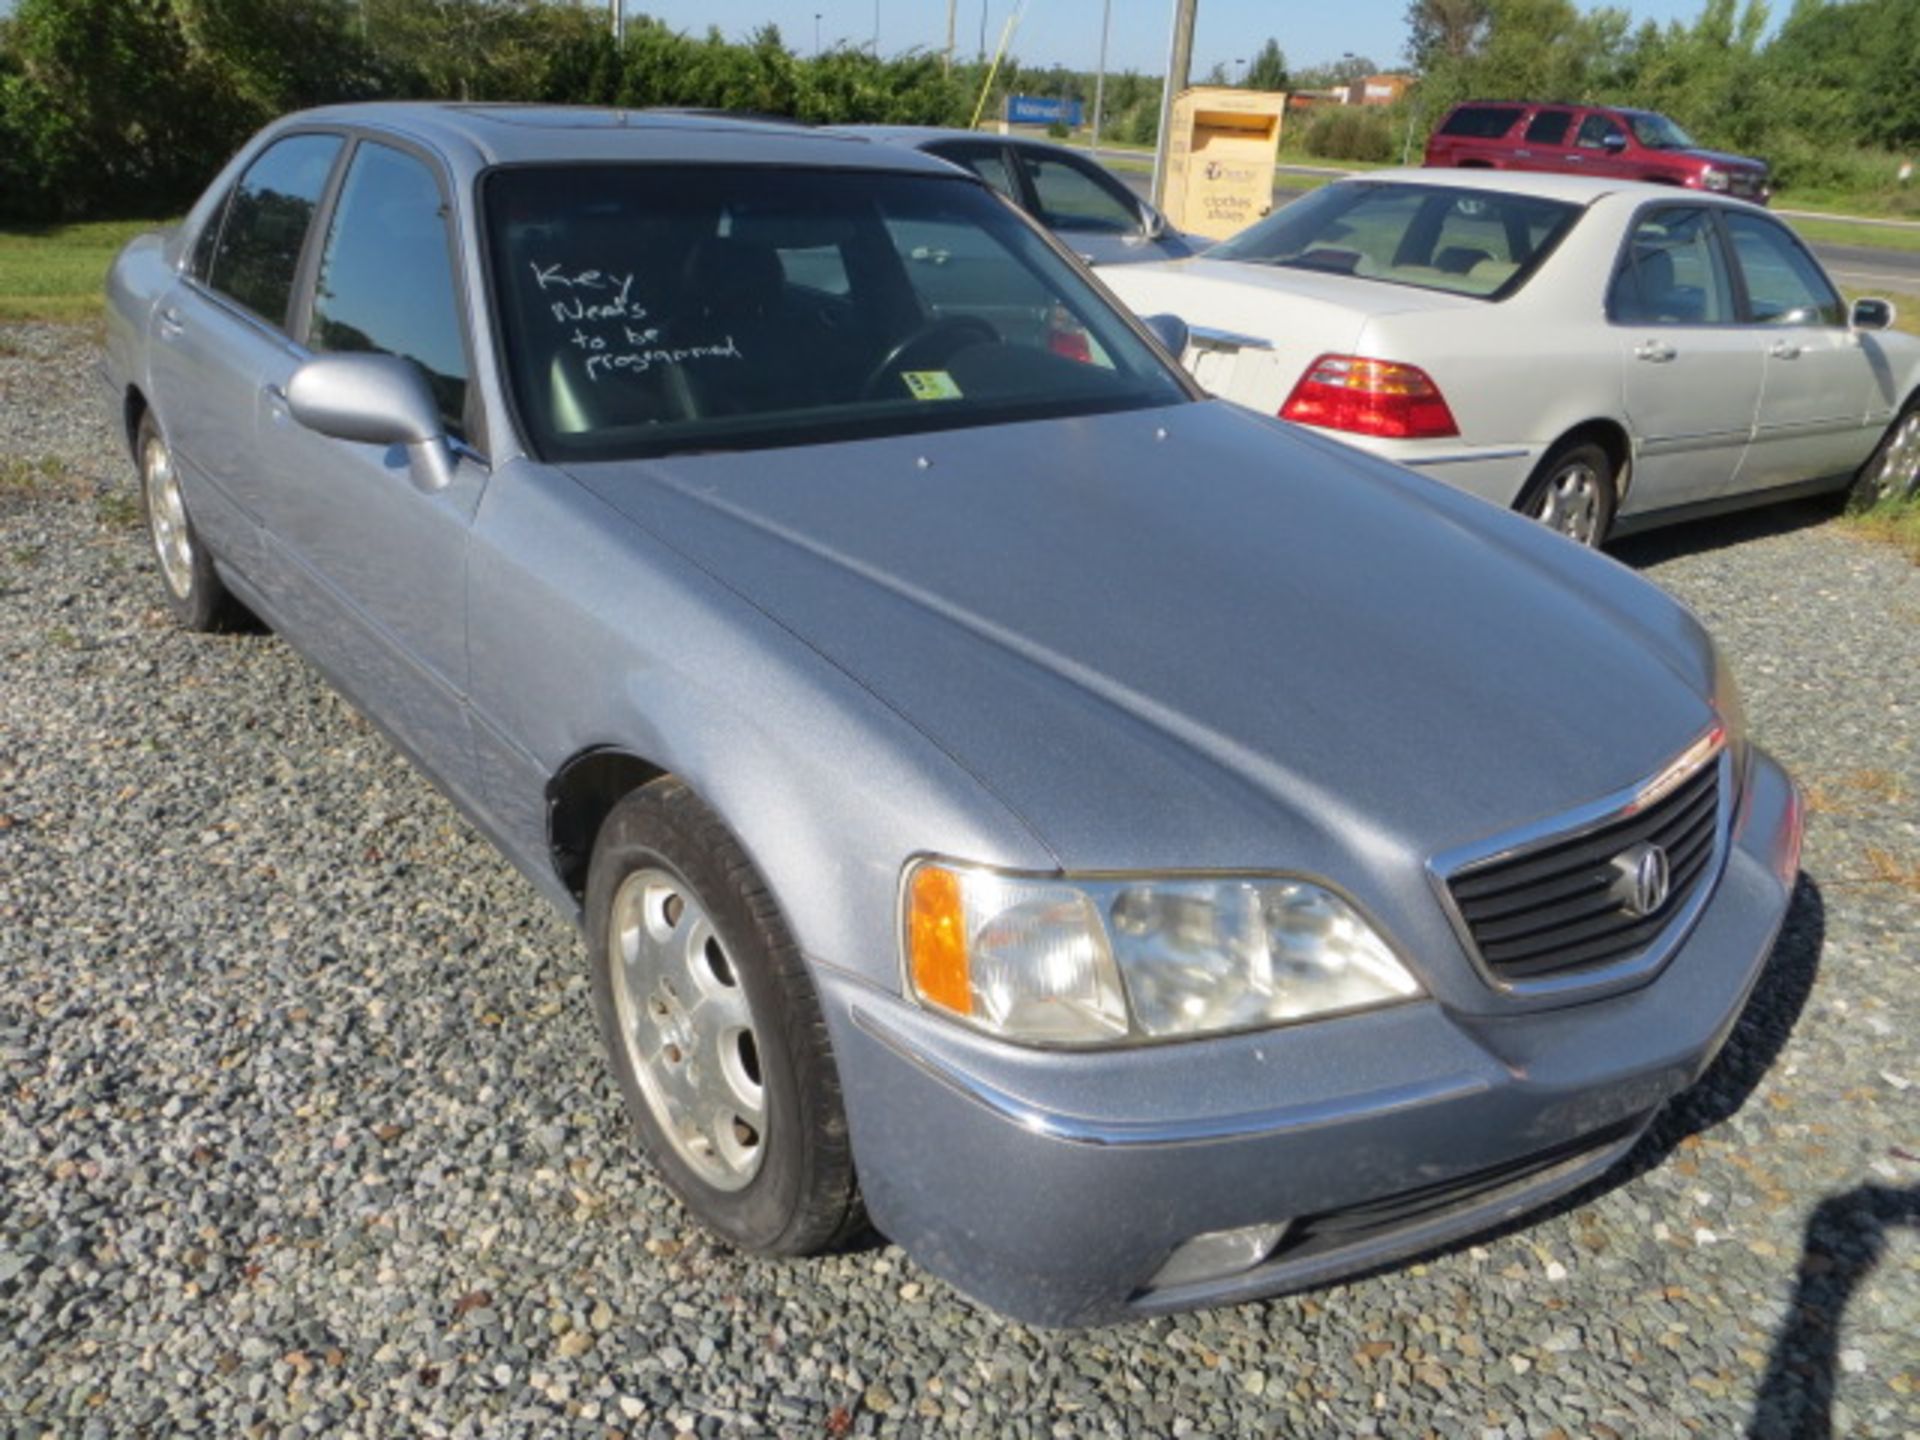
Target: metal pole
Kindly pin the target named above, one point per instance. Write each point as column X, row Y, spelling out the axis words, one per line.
column 619, row 9
column 1179, row 63
column 983, row 32
column 1100, row 75
column 876, row 29
column 953, row 9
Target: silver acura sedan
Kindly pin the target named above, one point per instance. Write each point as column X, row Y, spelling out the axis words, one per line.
column 1140, row 854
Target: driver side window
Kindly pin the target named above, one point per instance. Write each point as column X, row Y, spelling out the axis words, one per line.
column 1596, row 131
column 1784, row 285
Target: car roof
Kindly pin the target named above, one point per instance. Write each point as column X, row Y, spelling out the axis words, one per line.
column 482, row 134
column 1543, row 184
column 920, row 136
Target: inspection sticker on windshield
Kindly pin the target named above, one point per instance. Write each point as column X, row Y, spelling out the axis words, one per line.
column 931, row 384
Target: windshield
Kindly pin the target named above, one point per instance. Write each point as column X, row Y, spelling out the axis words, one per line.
column 653, row 309
column 1657, row 132
column 1466, row 242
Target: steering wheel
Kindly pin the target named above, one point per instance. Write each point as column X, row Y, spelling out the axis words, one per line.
column 926, row 347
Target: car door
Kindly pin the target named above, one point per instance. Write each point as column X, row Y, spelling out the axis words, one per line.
column 220, row 332
column 1546, row 142
column 1092, row 213
column 375, row 566
column 1597, row 147
column 1690, row 372
column 1819, row 386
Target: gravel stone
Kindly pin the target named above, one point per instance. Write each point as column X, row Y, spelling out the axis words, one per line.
column 303, row 1128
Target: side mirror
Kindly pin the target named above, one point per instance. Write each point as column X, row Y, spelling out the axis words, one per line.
column 375, row 400
column 1869, row 314
column 1170, row 330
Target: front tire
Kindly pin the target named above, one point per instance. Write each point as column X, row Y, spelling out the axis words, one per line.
column 194, row 593
column 1573, row 493
column 1892, row 472
column 714, row 1030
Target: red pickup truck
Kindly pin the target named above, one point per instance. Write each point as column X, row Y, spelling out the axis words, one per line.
column 1590, row 140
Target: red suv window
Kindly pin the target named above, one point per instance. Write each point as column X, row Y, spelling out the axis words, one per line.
column 1481, row 122
column 1549, row 127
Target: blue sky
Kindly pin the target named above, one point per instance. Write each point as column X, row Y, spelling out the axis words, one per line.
column 1068, row 31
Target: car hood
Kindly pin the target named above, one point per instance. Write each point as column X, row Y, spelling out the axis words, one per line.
column 1725, row 160
column 1189, row 637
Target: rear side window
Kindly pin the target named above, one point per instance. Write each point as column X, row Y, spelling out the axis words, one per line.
column 989, row 165
column 1481, row 122
column 1550, row 127
column 1673, row 273
column 386, row 279
column 1784, row 285
column 266, row 223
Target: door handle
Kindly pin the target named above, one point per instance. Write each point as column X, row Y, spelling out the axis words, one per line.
column 1784, row 350
column 1656, row 351
column 170, row 323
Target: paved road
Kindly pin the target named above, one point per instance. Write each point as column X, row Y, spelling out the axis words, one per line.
column 1858, row 267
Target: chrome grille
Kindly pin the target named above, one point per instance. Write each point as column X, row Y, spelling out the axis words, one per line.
column 1564, row 904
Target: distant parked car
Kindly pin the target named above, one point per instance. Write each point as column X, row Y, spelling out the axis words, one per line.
column 1144, row 855
column 1093, row 214
column 1603, row 140
column 1597, row 354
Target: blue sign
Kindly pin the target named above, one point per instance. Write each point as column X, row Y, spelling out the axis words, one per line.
column 1038, row 110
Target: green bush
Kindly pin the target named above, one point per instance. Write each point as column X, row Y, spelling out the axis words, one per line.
column 1349, row 132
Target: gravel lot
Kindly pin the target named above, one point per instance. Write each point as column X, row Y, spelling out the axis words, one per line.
column 304, row 1127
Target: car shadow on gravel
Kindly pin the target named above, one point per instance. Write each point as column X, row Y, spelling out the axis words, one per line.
column 1755, row 1043
column 1846, row 1238
column 1715, row 532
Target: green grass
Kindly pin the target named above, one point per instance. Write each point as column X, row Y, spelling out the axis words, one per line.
column 1841, row 232
column 55, row 272
column 1893, row 522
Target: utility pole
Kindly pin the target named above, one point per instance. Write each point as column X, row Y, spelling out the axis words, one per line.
column 1179, row 64
column 619, row 9
column 1100, row 75
column 953, row 7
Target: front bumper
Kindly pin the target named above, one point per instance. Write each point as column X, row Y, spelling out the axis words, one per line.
column 1054, row 1185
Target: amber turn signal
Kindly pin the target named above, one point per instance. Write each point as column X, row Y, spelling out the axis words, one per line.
column 937, row 940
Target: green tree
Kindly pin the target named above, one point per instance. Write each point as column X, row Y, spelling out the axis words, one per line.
column 1269, row 68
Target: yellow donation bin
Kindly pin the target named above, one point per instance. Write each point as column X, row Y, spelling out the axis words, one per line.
column 1220, row 159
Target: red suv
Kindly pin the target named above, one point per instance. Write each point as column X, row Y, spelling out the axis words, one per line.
column 1590, row 140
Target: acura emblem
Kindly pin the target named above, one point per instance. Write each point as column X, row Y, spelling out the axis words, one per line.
column 1642, row 879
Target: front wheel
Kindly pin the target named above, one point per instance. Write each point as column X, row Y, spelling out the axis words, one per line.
column 1573, row 493
column 1892, row 472
column 714, row 1029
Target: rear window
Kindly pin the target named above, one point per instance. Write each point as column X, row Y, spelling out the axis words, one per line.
column 1481, row 122
column 1433, row 237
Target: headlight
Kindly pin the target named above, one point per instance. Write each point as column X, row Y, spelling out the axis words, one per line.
column 1148, row 958
column 1712, row 179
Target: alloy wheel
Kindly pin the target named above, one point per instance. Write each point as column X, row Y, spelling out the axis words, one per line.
column 1898, row 474
column 688, row 1028
column 1570, row 502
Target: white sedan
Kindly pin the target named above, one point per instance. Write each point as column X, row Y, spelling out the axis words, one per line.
column 1600, row 355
